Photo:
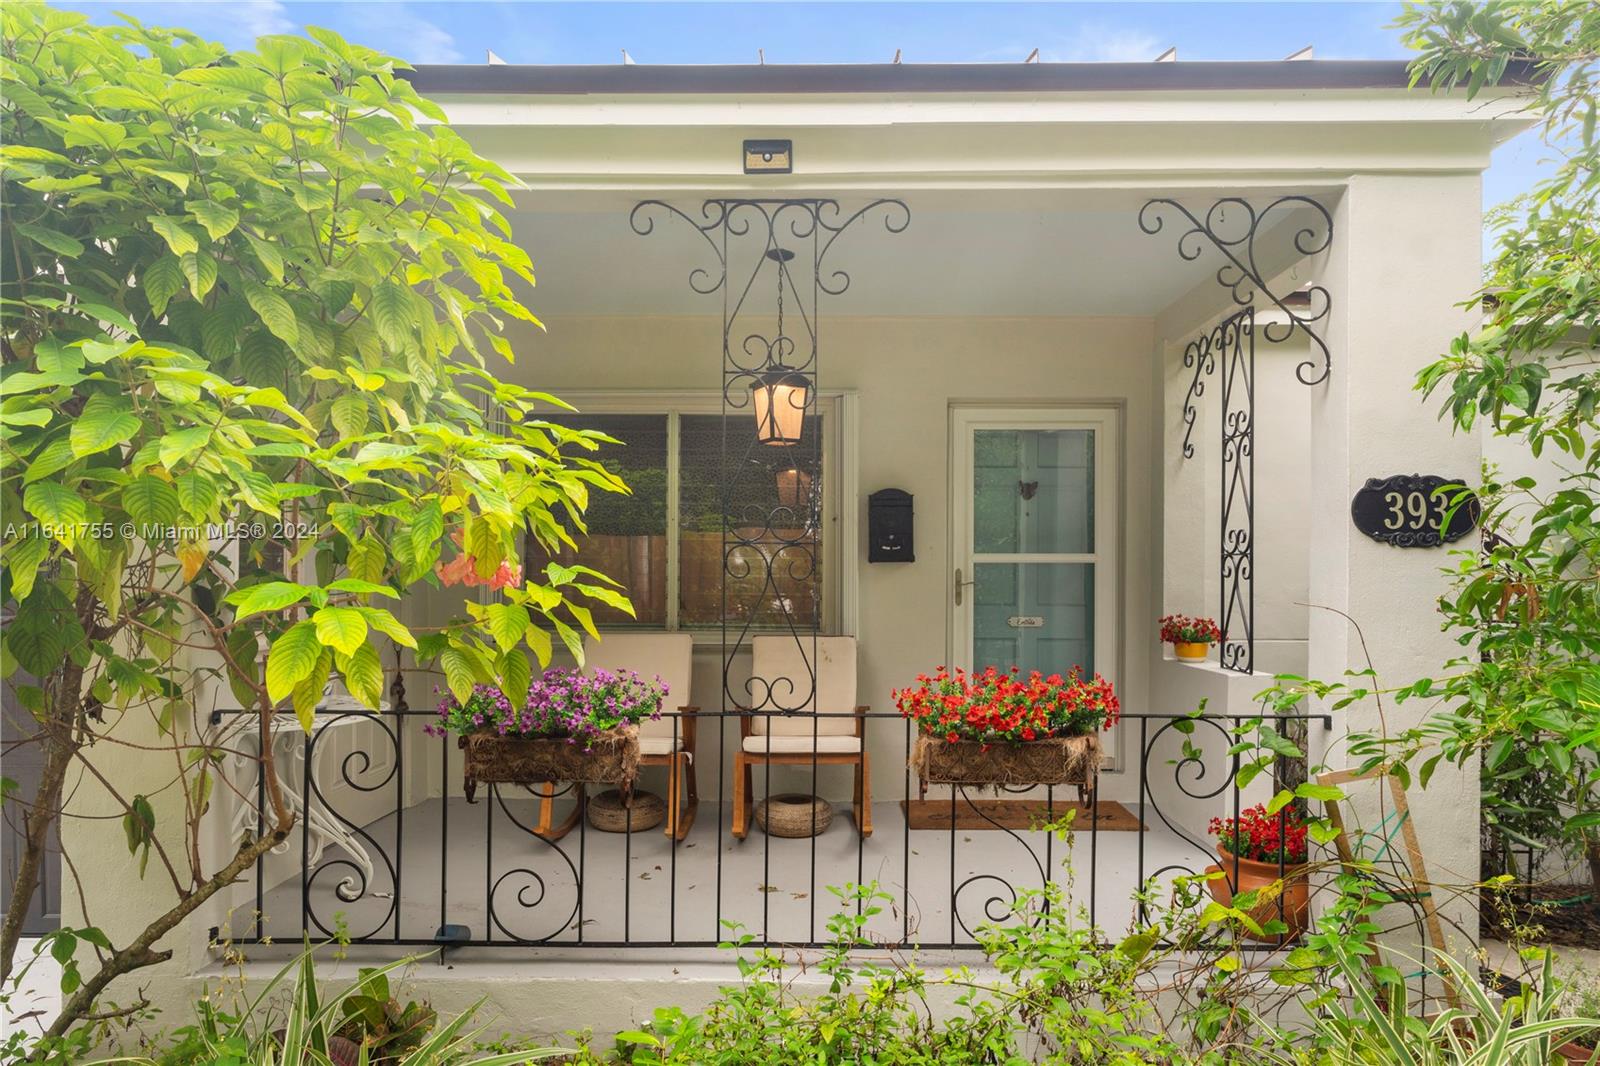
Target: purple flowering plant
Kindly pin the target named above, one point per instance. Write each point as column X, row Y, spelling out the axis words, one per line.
column 561, row 703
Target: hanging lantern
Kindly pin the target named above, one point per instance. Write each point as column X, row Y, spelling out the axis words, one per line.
column 794, row 488
column 780, row 396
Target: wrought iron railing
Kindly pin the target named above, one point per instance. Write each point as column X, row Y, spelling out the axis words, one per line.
column 387, row 851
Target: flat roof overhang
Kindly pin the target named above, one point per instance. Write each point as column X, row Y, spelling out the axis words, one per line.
column 624, row 79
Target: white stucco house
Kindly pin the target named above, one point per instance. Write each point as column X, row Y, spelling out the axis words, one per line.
column 1039, row 247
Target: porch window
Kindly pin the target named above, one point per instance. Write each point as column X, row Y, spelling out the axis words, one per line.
column 664, row 542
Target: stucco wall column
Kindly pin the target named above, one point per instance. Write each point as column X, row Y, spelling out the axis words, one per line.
column 1406, row 253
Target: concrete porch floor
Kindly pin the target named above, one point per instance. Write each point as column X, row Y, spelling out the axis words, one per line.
column 475, row 866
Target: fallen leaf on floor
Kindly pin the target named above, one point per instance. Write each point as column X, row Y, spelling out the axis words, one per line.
column 646, row 875
column 798, row 895
column 658, row 867
column 767, row 888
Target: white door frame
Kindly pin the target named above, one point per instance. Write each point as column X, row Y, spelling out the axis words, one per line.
column 1106, row 423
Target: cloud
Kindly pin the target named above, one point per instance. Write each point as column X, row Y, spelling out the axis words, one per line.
column 258, row 18
column 405, row 33
column 1110, row 44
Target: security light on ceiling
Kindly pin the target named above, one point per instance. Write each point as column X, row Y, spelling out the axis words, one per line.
column 769, row 157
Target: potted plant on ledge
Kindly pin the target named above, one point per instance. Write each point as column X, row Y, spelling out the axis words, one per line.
column 572, row 727
column 1191, row 638
column 1000, row 728
column 1257, row 851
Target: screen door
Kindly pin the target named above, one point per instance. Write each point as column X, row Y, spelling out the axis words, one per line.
column 1035, row 580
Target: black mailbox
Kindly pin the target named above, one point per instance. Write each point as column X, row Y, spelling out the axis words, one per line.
column 889, row 527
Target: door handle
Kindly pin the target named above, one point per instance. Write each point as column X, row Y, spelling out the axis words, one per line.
column 959, row 585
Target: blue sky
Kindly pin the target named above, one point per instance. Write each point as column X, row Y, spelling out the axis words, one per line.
column 460, row 31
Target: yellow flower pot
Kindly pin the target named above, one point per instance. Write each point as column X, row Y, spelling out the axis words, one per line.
column 1192, row 652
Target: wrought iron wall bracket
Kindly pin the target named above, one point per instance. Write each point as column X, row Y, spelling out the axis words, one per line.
column 1241, row 273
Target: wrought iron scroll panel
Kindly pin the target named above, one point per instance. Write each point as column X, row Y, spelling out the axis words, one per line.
column 1231, row 345
column 400, row 869
column 781, row 248
column 1234, row 344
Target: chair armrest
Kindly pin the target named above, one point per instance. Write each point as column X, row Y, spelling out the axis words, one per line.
column 686, row 732
column 861, row 721
column 746, row 725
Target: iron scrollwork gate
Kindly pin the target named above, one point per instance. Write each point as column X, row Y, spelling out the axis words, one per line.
column 771, row 480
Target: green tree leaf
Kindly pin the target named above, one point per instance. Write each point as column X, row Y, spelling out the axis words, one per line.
column 200, row 270
column 393, row 314
column 218, row 220
column 507, row 623
column 275, row 312
column 291, row 659
column 178, row 237
column 105, row 422
column 197, row 494
column 343, row 628
column 308, row 691
column 363, row 676
column 162, row 280
column 150, row 501
column 55, row 505
column 270, row 596
column 383, row 622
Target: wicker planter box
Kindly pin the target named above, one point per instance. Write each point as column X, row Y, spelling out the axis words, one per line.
column 611, row 759
column 1052, row 761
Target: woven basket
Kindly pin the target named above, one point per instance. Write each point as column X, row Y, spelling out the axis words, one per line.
column 612, row 758
column 1051, row 761
column 607, row 813
column 794, row 815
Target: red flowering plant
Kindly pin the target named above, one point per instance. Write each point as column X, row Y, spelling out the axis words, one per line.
column 1181, row 629
column 1261, row 837
column 1002, row 705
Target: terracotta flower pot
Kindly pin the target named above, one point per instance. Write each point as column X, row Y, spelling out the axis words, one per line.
column 1252, row 876
column 1572, row 1051
column 1194, row 652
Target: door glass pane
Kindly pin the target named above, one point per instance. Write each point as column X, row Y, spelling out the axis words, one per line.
column 1036, row 616
column 768, row 499
column 1033, row 491
column 627, row 538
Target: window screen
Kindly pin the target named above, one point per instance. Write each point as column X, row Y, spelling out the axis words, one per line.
column 766, row 500
column 627, row 538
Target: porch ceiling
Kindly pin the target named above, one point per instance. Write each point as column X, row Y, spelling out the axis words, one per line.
column 1013, row 259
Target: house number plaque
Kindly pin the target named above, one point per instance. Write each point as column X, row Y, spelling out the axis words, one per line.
column 1025, row 621
column 1413, row 510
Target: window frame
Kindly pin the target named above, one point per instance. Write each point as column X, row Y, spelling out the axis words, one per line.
column 840, row 483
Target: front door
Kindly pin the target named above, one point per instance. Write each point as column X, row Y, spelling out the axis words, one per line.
column 1035, row 507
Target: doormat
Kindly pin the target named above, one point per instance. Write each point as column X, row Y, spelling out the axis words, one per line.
column 1015, row 814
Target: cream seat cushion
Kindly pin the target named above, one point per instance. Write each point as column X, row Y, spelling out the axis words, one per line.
column 784, row 665
column 658, row 745
column 777, row 744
